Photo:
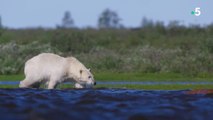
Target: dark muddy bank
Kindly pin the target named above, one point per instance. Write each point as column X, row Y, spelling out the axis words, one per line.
column 106, row 104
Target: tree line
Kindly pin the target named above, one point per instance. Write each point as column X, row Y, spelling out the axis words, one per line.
column 110, row 19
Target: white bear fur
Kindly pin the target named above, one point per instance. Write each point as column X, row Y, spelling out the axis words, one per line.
column 53, row 69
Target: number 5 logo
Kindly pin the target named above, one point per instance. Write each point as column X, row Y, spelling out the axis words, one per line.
column 197, row 11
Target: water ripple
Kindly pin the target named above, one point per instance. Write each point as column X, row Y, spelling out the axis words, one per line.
column 96, row 104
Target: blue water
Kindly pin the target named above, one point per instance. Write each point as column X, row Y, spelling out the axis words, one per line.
column 103, row 104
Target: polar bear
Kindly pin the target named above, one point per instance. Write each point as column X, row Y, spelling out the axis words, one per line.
column 53, row 69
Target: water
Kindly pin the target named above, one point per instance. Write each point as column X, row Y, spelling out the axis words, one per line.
column 104, row 104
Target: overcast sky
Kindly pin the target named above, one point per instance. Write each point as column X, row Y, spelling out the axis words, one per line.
column 48, row 13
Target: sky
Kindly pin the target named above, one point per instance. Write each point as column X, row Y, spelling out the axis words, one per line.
column 85, row 13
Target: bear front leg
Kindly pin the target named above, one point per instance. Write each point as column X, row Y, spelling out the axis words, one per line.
column 52, row 84
column 77, row 85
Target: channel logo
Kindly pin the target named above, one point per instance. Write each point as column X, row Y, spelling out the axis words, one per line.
column 196, row 12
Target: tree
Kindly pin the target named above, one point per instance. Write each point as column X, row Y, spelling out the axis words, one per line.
column 0, row 23
column 173, row 24
column 146, row 23
column 1, row 27
column 67, row 21
column 109, row 19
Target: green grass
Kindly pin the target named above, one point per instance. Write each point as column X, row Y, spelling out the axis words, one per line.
column 151, row 77
column 134, row 77
column 107, row 76
column 11, row 77
column 8, row 86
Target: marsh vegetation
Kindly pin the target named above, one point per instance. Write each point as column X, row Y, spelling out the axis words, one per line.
column 156, row 49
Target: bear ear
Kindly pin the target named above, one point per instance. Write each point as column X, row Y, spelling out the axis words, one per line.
column 81, row 71
column 89, row 69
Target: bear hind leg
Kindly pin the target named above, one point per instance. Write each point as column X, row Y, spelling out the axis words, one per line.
column 29, row 83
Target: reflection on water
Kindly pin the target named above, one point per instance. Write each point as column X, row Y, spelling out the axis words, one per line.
column 106, row 104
